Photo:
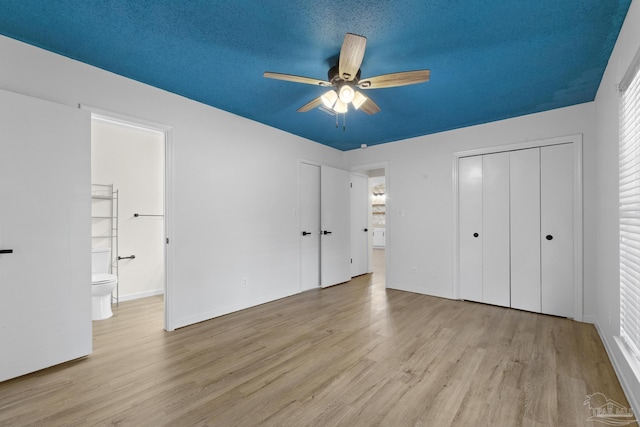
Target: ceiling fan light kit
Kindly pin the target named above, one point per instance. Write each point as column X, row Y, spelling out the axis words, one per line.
column 344, row 78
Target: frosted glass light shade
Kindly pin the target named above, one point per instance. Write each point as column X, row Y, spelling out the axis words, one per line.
column 346, row 94
column 329, row 98
column 340, row 106
column 358, row 100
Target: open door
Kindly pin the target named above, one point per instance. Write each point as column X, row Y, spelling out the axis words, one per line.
column 335, row 219
column 45, row 263
column 359, row 224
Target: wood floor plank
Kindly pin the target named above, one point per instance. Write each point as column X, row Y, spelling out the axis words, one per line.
column 356, row 354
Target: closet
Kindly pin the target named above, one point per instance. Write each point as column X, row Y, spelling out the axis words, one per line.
column 516, row 229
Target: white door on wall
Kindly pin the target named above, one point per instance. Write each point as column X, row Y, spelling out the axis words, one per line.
column 495, row 229
column 335, row 220
column 45, row 283
column 359, row 224
column 556, row 227
column 525, row 229
column 470, row 232
column 309, row 226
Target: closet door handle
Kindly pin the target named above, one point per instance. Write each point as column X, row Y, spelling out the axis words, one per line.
column 475, row 234
column 549, row 237
column 325, row 232
column 304, row 233
column 6, row 251
column 365, row 230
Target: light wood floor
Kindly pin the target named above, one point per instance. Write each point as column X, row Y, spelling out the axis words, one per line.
column 352, row 355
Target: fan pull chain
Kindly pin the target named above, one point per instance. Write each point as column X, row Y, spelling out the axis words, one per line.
column 344, row 122
column 337, row 120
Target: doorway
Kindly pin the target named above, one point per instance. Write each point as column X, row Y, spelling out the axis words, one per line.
column 378, row 203
column 130, row 159
column 378, row 221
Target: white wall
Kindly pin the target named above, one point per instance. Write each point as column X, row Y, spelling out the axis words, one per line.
column 132, row 159
column 234, row 183
column 420, row 184
column 607, row 272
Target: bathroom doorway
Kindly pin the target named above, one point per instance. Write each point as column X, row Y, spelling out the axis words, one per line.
column 377, row 199
column 130, row 159
column 377, row 206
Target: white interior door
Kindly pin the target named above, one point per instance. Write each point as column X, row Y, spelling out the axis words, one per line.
column 309, row 226
column 359, row 224
column 495, row 228
column 335, row 220
column 525, row 229
column 556, row 217
column 470, row 227
column 45, row 284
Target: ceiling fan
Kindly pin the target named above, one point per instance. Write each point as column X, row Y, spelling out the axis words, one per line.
column 344, row 78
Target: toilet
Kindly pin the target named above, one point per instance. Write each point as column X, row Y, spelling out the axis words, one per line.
column 102, row 283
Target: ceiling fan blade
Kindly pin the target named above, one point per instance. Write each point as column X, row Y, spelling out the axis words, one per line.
column 310, row 105
column 351, row 55
column 395, row 79
column 369, row 107
column 296, row 79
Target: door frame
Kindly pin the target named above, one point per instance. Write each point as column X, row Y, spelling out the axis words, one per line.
column 168, row 323
column 388, row 217
column 576, row 141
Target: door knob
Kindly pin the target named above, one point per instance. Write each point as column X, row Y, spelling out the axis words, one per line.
column 475, row 234
column 549, row 237
column 325, row 232
column 365, row 230
column 6, row 251
column 304, row 233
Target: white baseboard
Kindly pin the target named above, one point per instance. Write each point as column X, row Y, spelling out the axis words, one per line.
column 589, row 318
column 141, row 295
column 620, row 366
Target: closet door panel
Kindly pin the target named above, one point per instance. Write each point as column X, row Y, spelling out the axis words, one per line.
column 525, row 229
column 495, row 228
column 556, row 169
column 470, row 231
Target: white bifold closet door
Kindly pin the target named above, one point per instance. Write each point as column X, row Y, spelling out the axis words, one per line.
column 484, row 228
column 470, row 232
column 525, row 229
column 495, row 225
column 556, row 227
column 516, row 229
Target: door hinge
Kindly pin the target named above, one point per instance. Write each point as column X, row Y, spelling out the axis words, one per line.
column 351, row 260
column 167, row 240
column 351, row 184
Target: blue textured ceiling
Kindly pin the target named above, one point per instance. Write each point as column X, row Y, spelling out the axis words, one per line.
column 489, row 60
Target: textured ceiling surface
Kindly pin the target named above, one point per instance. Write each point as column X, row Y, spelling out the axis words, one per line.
column 489, row 60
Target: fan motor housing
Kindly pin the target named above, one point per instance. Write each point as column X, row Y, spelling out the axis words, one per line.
column 334, row 75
